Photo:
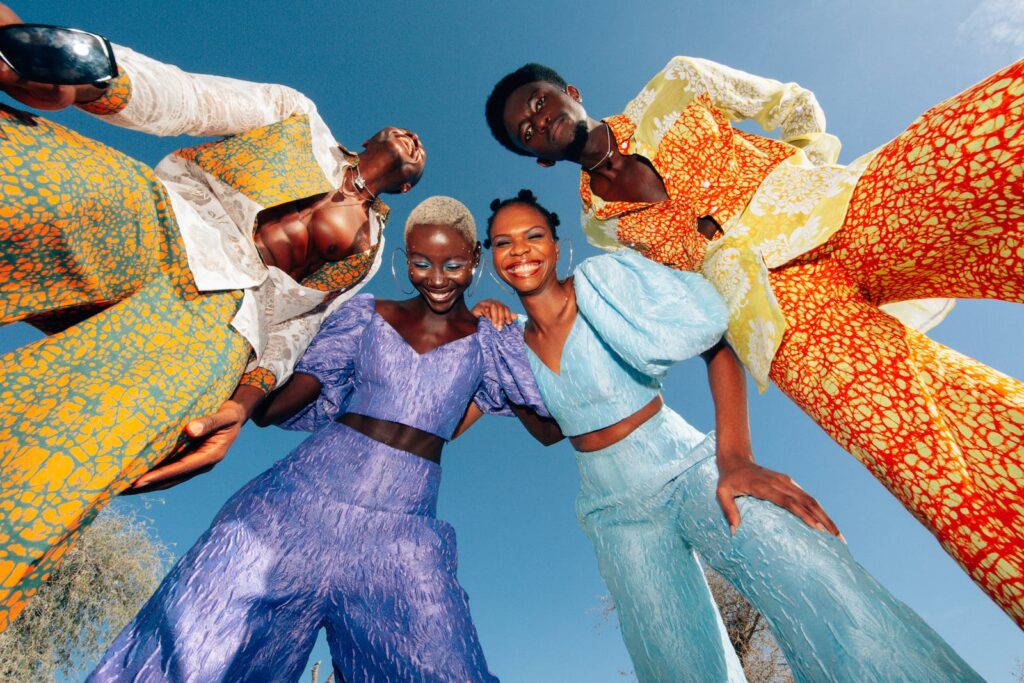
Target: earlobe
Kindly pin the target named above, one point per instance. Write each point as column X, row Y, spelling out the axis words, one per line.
column 546, row 163
column 405, row 188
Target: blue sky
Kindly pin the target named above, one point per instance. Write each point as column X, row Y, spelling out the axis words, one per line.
column 874, row 65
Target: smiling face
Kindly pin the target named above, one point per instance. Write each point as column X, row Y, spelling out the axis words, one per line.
column 546, row 121
column 441, row 262
column 404, row 150
column 523, row 248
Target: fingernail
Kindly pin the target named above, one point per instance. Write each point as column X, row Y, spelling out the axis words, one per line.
column 194, row 426
column 732, row 530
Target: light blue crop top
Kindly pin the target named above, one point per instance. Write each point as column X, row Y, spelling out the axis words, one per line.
column 636, row 319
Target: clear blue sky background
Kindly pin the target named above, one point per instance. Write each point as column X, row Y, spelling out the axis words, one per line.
column 529, row 570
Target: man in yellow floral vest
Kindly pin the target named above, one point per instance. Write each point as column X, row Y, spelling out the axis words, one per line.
column 175, row 299
column 831, row 273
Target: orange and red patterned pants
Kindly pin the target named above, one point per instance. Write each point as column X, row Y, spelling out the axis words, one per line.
column 86, row 236
column 939, row 213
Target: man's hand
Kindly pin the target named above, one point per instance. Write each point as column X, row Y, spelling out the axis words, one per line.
column 495, row 311
column 750, row 479
column 217, row 432
column 40, row 95
column 211, row 436
column 37, row 95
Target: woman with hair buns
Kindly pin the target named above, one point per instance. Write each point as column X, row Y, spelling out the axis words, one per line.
column 383, row 385
column 653, row 488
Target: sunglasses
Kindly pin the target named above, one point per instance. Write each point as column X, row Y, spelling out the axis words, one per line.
column 57, row 55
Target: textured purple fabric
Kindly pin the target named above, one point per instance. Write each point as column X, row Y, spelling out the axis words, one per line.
column 391, row 381
column 340, row 534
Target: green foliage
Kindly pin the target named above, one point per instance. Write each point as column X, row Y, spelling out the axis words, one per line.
column 114, row 567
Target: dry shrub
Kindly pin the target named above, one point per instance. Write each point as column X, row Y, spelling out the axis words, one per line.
column 102, row 582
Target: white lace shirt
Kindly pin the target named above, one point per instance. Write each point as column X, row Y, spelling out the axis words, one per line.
column 278, row 316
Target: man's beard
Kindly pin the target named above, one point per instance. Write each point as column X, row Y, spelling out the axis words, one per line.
column 574, row 150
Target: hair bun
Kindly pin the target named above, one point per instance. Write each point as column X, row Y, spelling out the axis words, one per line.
column 526, row 198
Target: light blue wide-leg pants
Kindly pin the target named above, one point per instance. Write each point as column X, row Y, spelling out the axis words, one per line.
column 648, row 504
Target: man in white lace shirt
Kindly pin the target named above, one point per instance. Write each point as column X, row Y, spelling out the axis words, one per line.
column 175, row 300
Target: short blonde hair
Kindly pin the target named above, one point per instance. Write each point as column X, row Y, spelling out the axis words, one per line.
column 442, row 210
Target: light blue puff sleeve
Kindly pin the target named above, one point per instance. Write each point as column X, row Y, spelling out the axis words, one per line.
column 652, row 316
column 331, row 358
column 506, row 378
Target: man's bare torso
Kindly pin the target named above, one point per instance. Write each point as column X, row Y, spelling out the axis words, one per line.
column 300, row 236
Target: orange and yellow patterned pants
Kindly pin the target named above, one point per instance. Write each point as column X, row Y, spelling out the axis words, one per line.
column 86, row 237
column 940, row 213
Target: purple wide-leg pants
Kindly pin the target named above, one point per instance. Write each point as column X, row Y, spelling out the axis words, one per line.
column 342, row 535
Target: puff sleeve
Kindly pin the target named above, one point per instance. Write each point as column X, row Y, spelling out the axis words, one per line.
column 506, row 377
column 652, row 316
column 331, row 358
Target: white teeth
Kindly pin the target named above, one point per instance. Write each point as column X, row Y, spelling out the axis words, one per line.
column 522, row 268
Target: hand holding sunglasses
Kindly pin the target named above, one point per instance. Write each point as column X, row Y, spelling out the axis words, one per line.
column 50, row 67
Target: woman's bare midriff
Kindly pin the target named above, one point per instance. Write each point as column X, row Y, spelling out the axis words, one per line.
column 403, row 437
column 606, row 436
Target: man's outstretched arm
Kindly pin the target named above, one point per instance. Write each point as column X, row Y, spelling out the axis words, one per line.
column 161, row 99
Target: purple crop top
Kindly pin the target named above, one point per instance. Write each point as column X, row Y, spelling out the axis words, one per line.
column 366, row 367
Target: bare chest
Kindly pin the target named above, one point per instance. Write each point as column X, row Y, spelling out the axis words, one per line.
column 300, row 236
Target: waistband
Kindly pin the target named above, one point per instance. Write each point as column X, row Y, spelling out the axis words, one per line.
column 350, row 467
column 660, row 448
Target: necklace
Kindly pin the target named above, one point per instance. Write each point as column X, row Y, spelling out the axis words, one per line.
column 608, row 154
column 374, row 203
column 360, row 184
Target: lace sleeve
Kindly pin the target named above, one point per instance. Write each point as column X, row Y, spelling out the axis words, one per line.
column 164, row 100
column 786, row 106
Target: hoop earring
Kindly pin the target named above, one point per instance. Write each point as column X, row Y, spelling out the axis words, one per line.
column 503, row 286
column 568, row 271
column 395, row 275
column 479, row 276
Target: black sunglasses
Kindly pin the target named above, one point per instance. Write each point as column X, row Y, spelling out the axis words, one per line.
column 57, row 55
